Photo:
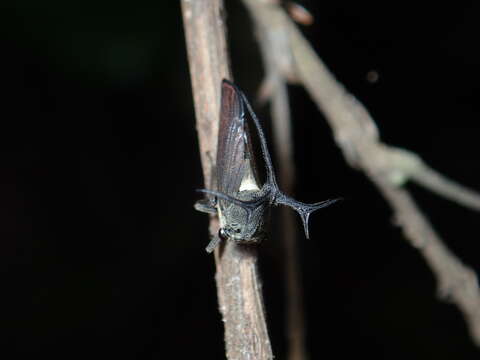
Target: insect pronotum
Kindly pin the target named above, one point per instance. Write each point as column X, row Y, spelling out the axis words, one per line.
column 241, row 203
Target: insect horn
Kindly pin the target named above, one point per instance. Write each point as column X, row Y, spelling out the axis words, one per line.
column 271, row 192
column 276, row 196
column 304, row 210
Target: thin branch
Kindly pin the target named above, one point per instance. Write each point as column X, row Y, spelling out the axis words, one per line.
column 447, row 188
column 237, row 279
column 295, row 323
column 387, row 167
column 275, row 89
column 456, row 282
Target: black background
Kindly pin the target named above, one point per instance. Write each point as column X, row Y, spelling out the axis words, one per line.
column 101, row 252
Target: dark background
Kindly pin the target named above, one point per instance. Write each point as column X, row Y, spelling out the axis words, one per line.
column 101, row 252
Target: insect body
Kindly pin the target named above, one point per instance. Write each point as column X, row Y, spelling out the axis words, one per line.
column 241, row 203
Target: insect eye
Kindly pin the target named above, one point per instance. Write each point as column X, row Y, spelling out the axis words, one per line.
column 222, row 234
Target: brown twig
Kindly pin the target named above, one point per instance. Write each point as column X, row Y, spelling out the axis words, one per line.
column 238, row 284
column 387, row 167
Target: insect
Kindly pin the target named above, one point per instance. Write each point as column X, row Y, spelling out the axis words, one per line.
column 241, row 203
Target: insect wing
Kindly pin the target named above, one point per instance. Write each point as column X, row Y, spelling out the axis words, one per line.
column 234, row 147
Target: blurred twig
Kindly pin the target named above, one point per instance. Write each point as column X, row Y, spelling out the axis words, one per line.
column 387, row 167
column 274, row 88
column 238, row 282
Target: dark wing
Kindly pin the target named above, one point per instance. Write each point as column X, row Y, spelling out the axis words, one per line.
column 233, row 138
